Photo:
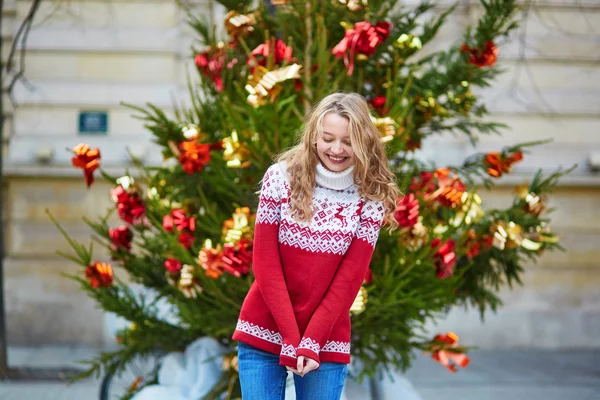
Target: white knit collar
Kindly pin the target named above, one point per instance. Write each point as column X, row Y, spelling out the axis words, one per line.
column 335, row 180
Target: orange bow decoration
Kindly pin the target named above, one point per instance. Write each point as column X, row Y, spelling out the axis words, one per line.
column 86, row 159
column 211, row 259
column 449, row 358
column 99, row 274
column 499, row 164
column 451, row 188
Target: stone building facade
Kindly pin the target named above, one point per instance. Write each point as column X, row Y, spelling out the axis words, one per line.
column 91, row 55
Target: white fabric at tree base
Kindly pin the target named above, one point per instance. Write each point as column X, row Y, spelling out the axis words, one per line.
column 192, row 374
column 189, row 375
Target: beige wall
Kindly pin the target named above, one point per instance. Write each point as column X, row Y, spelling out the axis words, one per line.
column 95, row 54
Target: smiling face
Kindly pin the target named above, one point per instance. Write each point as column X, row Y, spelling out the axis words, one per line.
column 333, row 146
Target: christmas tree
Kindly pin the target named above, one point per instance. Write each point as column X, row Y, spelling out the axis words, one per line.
column 186, row 230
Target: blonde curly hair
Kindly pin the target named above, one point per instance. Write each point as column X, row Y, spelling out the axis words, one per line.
column 371, row 170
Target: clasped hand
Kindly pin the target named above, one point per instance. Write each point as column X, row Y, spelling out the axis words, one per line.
column 302, row 369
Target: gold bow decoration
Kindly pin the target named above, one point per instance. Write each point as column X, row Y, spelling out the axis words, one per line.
column 470, row 211
column 408, row 44
column 238, row 24
column 360, row 302
column 533, row 203
column 264, row 85
column 236, row 153
column 187, row 283
column 387, row 127
column 239, row 226
column 511, row 235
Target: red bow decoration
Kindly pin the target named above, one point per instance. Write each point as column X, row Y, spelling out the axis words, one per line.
column 281, row 53
column 182, row 223
column 445, row 258
column 378, row 103
column 86, row 159
column 407, row 211
column 178, row 219
column 361, row 41
column 237, row 258
column 99, row 274
column 129, row 205
column 211, row 64
column 498, row 164
column 121, row 237
column 194, row 156
column 172, row 265
column 424, row 185
column 482, row 58
column 449, row 358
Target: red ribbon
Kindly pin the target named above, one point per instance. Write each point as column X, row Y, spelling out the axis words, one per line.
column 129, row 205
column 172, row 265
column 183, row 224
column 445, row 258
column 211, row 64
column 407, row 211
column 362, row 39
column 121, row 237
column 485, row 57
column 282, row 53
column 237, row 258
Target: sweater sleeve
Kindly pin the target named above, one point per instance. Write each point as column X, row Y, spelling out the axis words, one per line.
column 346, row 283
column 266, row 264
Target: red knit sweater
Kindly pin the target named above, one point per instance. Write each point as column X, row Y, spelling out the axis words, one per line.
column 307, row 274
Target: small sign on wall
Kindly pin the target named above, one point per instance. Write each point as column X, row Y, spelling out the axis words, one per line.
column 93, row 122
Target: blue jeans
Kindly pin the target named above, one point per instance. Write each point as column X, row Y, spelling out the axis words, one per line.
column 262, row 378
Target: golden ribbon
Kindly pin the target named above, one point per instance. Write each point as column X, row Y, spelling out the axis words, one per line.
column 386, row 126
column 408, row 42
column 238, row 226
column 236, row 153
column 534, row 203
column 265, row 85
column 360, row 302
column 187, row 282
column 511, row 236
column 470, row 211
column 239, row 24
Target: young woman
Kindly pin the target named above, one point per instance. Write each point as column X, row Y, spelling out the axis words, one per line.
column 320, row 211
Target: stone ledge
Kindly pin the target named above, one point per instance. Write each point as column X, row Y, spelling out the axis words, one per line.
column 100, row 94
column 165, row 40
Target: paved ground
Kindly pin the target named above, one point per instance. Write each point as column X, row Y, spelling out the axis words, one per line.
column 492, row 375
